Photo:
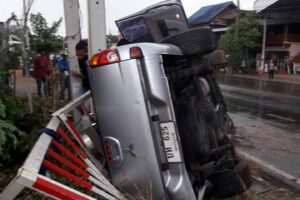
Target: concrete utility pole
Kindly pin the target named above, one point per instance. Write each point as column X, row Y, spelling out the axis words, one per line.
column 26, row 46
column 73, row 36
column 97, row 34
column 27, row 4
column 263, row 50
column 236, row 33
column 97, row 26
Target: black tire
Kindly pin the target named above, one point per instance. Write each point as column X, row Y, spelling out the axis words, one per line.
column 198, row 41
column 232, row 181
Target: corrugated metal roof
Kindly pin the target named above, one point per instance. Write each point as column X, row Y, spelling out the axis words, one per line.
column 208, row 13
column 277, row 6
column 260, row 5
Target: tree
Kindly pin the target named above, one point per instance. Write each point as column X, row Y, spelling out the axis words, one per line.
column 45, row 37
column 10, row 53
column 237, row 47
column 13, row 141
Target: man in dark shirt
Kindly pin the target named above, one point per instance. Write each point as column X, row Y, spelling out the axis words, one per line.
column 122, row 41
column 82, row 54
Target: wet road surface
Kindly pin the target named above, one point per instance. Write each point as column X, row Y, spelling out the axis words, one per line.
column 277, row 102
column 267, row 119
column 262, row 85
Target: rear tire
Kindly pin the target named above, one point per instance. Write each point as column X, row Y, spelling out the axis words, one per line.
column 198, row 41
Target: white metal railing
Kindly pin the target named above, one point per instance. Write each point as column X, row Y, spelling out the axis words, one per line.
column 61, row 152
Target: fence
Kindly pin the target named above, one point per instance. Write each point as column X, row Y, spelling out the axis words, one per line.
column 60, row 164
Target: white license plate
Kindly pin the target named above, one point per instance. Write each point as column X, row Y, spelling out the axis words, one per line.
column 171, row 146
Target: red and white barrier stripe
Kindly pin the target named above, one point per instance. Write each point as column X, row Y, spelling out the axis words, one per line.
column 76, row 135
column 89, row 165
column 77, row 180
column 90, row 174
column 51, row 188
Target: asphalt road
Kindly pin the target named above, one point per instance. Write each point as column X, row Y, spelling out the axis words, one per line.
column 267, row 117
column 277, row 102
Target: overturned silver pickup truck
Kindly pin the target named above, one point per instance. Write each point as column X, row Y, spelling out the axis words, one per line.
column 161, row 111
column 161, row 125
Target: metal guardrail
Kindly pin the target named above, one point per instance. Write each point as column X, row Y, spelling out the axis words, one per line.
column 61, row 151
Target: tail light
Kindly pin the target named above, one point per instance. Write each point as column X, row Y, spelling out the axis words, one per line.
column 135, row 53
column 105, row 57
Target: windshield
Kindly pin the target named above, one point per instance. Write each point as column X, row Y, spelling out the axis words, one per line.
column 135, row 30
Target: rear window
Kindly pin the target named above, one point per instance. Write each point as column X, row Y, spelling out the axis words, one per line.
column 135, row 30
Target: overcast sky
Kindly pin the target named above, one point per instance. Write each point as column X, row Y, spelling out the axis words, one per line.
column 52, row 10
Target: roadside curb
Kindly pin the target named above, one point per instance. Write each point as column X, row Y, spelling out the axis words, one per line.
column 272, row 172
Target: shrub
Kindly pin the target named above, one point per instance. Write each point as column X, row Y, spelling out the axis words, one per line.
column 14, row 143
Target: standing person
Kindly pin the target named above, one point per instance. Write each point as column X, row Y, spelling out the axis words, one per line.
column 266, row 68
column 122, row 41
column 271, row 69
column 81, row 49
column 64, row 77
column 82, row 55
column 41, row 67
